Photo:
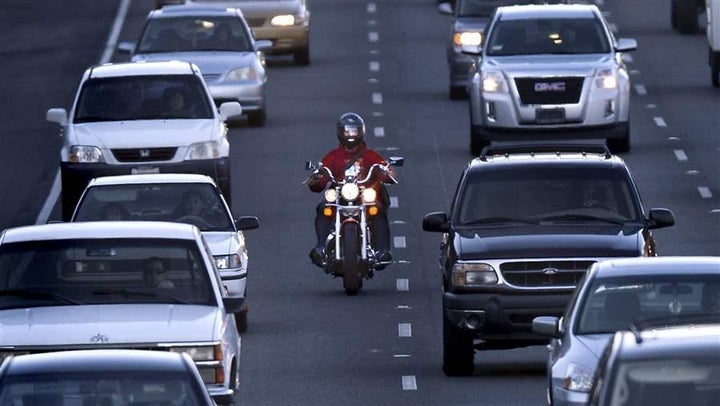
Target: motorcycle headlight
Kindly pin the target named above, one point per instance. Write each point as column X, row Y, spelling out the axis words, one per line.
column 369, row 195
column 331, row 195
column 605, row 79
column 494, row 82
column 468, row 38
column 473, row 274
column 227, row 261
column 203, row 150
column 350, row 191
column 246, row 73
column 577, row 378
column 201, row 353
column 283, row 20
column 85, row 154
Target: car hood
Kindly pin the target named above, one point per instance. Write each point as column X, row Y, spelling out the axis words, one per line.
column 143, row 133
column 548, row 241
column 222, row 243
column 554, row 65
column 254, row 9
column 209, row 62
column 109, row 324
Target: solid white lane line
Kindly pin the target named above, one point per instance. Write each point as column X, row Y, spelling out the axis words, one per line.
column 404, row 330
column 402, row 285
column 705, row 192
column 377, row 98
column 641, row 90
column 399, row 242
column 371, row 7
column 394, row 202
column 379, row 131
column 680, row 155
column 109, row 49
column 374, row 66
column 373, row 36
column 659, row 122
column 408, row 382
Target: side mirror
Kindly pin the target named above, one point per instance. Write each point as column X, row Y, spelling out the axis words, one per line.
column 230, row 109
column 548, row 326
column 396, row 161
column 57, row 115
column 660, row 218
column 436, row 222
column 474, row 50
column 626, row 45
column 127, row 48
column 445, row 8
column 247, row 223
column 263, row 45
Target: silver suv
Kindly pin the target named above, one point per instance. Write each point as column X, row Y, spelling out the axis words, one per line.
column 550, row 71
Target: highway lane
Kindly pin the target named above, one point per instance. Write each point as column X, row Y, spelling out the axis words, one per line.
column 308, row 343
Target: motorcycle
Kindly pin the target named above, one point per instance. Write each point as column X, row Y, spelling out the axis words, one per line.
column 348, row 247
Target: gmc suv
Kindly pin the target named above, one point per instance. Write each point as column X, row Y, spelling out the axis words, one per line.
column 525, row 224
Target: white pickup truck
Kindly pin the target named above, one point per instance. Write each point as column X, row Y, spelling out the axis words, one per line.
column 713, row 36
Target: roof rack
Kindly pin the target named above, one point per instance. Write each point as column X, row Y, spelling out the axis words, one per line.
column 539, row 147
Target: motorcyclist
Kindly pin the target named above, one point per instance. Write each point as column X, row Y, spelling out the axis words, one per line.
column 352, row 149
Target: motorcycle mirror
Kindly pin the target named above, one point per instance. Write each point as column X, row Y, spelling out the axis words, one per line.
column 309, row 166
column 397, row 160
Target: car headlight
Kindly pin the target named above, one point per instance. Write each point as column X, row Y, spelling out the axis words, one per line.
column 369, row 195
column 473, row 274
column 283, row 20
column 227, row 261
column 494, row 82
column 85, row 154
column 330, row 195
column 350, row 191
column 246, row 73
column 468, row 38
column 605, row 78
column 201, row 353
column 577, row 378
column 203, row 150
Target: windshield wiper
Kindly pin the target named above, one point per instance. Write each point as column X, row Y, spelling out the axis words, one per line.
column 94, row 119
column 38, row 294
column 141, row 293
column 575, row 217
column 493, row 220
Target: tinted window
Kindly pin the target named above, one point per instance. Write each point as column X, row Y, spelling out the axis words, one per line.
column 483, row 8
column 191, row 34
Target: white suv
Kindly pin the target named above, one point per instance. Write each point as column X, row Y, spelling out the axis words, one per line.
column 550, row 71
column 127, row 118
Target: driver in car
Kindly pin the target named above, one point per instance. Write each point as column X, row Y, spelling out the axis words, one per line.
column 193, row 207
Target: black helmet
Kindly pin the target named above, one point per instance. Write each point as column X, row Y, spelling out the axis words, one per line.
column 350, row 130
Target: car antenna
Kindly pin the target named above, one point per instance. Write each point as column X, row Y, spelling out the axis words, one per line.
column 636, row 333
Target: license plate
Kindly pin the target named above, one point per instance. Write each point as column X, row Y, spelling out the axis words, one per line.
column 145, row 169
column 550, row 116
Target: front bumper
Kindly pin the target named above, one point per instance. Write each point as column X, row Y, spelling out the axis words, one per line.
column 235, row 281
column 502, row 315
column 250, row 94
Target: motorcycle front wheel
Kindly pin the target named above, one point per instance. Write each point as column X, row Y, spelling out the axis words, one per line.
column 350, row 245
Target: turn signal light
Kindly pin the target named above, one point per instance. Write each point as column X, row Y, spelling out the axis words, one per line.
column 327, row 211
column 372, row 210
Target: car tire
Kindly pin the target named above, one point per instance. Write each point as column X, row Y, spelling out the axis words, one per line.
column 302, row 57
column 622, row 144
column 241, row 322
column 715, row 68
column 686, row 16
column 257, row 118
column 458, row 352
column 457, row 92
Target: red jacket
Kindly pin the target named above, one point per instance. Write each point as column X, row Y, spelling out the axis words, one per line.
column 338, row 160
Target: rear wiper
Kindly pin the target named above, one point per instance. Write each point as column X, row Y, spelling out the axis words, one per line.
column 142, row 293
column 492, row 220
column 574, row 217
column 38, row 294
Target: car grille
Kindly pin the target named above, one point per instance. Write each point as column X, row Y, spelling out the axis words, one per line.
column 255, row 22
column 552, row 90
column 144, row 154
column 211, row 77
column 539, row 274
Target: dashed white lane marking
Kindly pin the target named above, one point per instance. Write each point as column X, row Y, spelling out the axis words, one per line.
column 641, row 90
column 373, row 36
column 399, row 242
column 394, row 202
column 680, row 155
column 659, row 122
column 372, row 22
column 705, row 192
column 403, row 307
column 404, row 330
column 402, row 285
column 379, row 131
column 377, row 98
column 371, row 7
column 408, row 382
column 402, row 356
column 374, row 66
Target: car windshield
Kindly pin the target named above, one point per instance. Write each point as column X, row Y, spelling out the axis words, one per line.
column 483, row 8
column 548, row 195
column 547, row 36
column 101, row 388
column 612, row 304
column 102, row 271
column 138, row 97
column 200, row 204
column 193, row 34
